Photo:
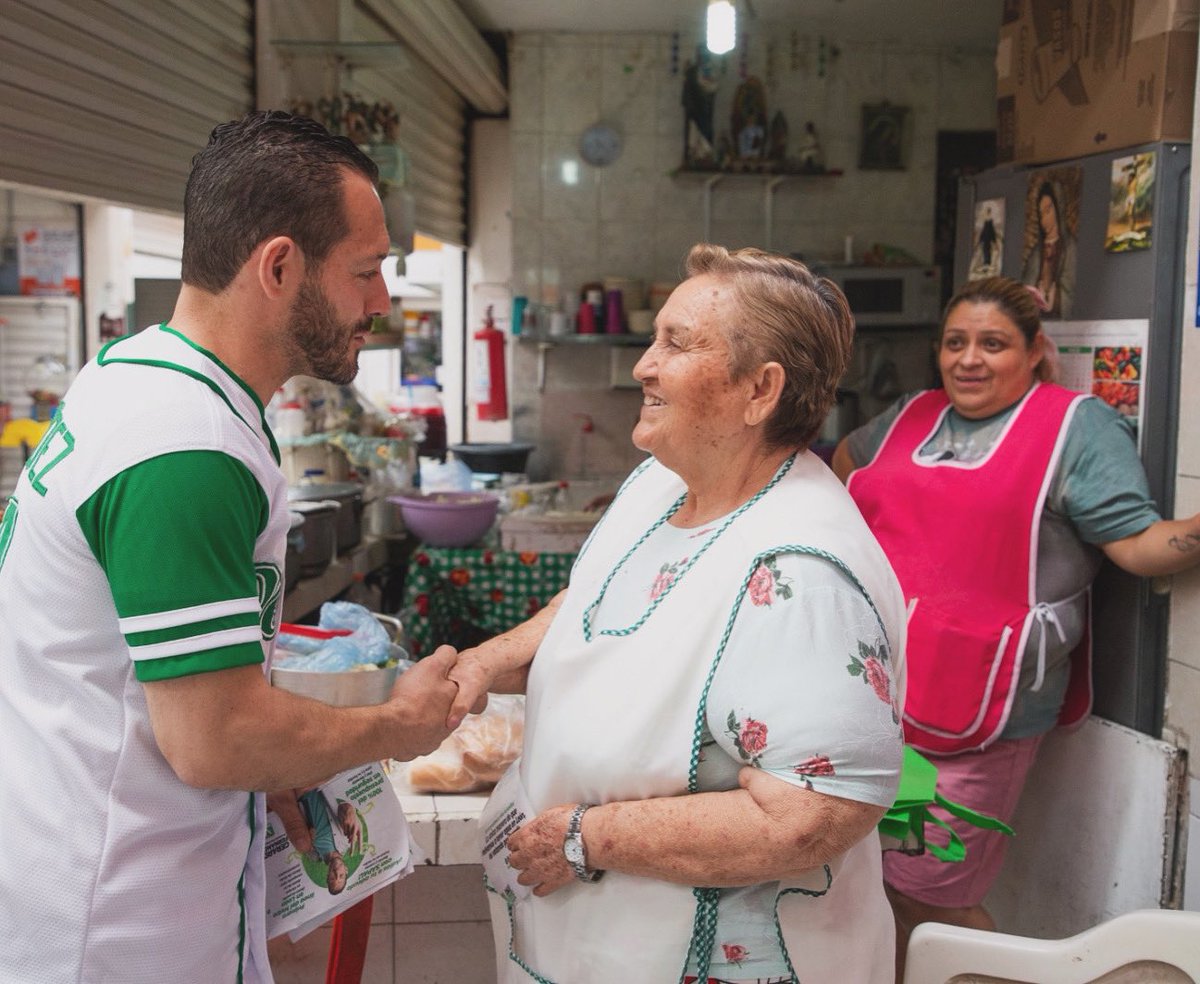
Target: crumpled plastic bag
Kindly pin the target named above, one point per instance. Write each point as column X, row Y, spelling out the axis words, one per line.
column 367, row 643
column 476, row 755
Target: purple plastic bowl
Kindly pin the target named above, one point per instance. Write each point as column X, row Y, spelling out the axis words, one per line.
column 447, row 519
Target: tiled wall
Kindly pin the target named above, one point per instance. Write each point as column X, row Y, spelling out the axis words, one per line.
column 572, row 223
column 1182, row 714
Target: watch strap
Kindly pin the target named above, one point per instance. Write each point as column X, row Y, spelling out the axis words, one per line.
column 574, row 835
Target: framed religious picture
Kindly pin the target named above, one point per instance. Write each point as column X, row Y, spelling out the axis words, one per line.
column 987, row 247
column 886, row 137
column 1130, row 204
column 1051, row 228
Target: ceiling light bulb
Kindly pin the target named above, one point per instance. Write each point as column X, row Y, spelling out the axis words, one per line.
column 722, row 26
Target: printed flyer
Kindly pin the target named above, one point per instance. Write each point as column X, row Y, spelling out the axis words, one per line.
column 1106, row 359
column 357, row 843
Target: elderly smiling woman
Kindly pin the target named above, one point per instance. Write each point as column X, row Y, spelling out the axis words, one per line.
column 712, row 725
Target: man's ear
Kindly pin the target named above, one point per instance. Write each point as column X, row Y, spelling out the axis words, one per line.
column 767, row 381
column 280, row 266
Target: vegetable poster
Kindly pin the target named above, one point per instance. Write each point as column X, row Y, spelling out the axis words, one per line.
column 1107, row 359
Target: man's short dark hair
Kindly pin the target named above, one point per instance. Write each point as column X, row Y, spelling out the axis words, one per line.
column 267, row 174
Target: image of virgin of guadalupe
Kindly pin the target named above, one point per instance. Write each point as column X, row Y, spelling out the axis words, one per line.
column 1051, row 227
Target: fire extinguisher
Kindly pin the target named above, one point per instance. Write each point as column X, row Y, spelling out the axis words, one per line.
column 490, row 390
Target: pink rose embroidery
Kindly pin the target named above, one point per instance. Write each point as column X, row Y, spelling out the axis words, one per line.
column 762, row 587
column 767, row 582
column 735, row 953
column 815, row 765
column 664, row 579
column 871, row 665
column 754, row 736
column 878, row 679
column 749, row 737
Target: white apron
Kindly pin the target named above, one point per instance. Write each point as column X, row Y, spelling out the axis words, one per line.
column 617, row 717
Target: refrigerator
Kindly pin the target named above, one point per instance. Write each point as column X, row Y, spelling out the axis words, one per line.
column 1123, row 216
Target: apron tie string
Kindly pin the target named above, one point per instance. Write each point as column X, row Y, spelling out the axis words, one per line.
column 1044, row 613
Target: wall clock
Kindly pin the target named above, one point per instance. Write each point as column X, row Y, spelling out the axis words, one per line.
column 600, row 144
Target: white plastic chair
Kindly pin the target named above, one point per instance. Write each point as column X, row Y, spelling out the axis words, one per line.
column 938, row 953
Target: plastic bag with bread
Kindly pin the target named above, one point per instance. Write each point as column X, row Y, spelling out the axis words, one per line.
column 475, row 756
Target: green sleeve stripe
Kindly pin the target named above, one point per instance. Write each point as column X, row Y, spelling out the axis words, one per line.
column 224, row 658
column 172, row 633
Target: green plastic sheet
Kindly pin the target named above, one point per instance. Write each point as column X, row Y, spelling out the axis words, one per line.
column 910, row 813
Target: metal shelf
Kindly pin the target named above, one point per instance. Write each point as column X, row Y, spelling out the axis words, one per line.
column 769, row 181
column 599, row 338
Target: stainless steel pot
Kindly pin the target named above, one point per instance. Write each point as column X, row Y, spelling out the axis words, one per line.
column 348, row 495
column 295, row 544
column 318, row 536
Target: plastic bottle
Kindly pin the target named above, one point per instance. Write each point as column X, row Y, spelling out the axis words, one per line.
column 421, row 400
column 614, row 314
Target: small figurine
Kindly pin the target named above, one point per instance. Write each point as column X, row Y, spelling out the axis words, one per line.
column 777, row 149
column 749, row 120
column 699, row 94
column 810, row 158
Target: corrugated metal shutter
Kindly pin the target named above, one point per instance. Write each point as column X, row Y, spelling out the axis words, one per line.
column 432, row 133
column 111, row 98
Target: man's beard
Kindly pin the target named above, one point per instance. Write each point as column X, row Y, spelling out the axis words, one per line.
column 324, row 344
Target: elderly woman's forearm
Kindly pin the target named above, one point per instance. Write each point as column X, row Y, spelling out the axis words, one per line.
column 500, row 665
column 726, row 839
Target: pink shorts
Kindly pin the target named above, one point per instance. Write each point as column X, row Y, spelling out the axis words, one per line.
column 988, row 782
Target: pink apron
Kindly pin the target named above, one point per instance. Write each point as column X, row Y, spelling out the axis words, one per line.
column 968, row 572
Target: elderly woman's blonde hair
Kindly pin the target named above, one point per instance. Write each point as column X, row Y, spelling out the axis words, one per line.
column 789, row 316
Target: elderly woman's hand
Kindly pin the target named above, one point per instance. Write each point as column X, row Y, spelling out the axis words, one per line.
column 536, row 851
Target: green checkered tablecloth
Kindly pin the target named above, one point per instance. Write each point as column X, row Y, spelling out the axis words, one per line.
column 462, row 596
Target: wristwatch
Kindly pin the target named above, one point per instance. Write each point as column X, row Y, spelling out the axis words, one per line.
column 573, row 845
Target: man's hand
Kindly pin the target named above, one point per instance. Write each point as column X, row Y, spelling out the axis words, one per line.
column 422, row 699
column 285, row 804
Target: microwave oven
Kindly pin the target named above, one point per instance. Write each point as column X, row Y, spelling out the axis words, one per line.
column 887, row 296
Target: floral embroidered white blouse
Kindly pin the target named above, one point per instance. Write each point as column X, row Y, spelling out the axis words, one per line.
column 804, row 691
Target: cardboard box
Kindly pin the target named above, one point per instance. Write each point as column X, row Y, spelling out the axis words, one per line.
column 1076, row 77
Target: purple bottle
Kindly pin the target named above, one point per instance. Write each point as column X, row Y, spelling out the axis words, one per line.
column 614, row 314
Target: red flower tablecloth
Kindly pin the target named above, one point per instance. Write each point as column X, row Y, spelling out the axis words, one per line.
column 462, row 596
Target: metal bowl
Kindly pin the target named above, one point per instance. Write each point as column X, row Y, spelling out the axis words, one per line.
column 343, row 688
column 498, row 458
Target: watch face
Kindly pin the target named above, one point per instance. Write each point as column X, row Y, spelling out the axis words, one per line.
column 600, row 145
column 573, row 849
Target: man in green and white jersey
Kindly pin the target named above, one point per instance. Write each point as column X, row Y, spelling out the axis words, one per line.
column 141, row 572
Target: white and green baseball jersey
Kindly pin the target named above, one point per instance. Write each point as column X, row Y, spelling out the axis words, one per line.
column 145, row 540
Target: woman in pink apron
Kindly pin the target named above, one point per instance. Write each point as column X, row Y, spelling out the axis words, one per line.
column 712, row 719
column 996, row 498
